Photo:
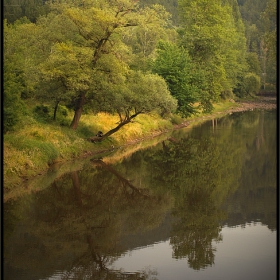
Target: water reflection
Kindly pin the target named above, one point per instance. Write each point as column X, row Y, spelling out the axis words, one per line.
column 184, row 191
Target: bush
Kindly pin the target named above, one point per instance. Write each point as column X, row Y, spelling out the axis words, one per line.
column 252, row 83
column 176, row 119
column 13, row 106
column 227, row 94
column 42, row 113
column 11, row 118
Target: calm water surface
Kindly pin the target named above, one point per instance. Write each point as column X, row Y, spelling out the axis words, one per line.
column 200, row 204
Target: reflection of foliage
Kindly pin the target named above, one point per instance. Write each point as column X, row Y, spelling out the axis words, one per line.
column 256, row 198
column 195, row 230
column 77, row 225
column 200, row 175
column 82, row 273
column 80, row 218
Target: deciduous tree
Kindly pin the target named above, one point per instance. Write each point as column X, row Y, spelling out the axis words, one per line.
column 215, row 40
column 174, row 64
column 94, row 66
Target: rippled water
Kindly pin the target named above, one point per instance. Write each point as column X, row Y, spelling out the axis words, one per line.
column 199, row 204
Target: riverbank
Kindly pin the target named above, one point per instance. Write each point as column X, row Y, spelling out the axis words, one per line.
column 259, row 103
column 21, row 164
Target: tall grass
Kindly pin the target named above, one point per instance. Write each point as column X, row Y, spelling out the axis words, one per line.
column 36, row 144
column 141, row 126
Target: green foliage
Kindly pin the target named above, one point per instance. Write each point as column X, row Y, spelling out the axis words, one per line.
column 149, row 92
column 176, row 119
column 13, row 106
column 204, row 30
column 268, row 52
column 88, row 66
column 260, row 21
column 42, row 113
column 41, row 109
column 252, row 83
column 143, row 38
column 174, row 65
column 227, row 94
column 14, row 81
column 253, row 38
column 253, row 63
column 21, row 54
column 97, row 57
column 251, row 10
column 32, row 9
column 171, row 6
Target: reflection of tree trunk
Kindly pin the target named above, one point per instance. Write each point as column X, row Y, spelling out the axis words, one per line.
column 164, row 146
column 99, row 260
column 76, row 185
column 124, row 181
column 260, row 137
column 214, row 124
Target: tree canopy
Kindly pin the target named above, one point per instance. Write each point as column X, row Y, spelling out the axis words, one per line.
column 128, row 57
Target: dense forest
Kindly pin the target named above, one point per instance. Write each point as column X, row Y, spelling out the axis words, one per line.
column 129, row 57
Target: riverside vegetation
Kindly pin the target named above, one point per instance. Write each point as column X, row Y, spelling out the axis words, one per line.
column 32, row 149
column 131, row 69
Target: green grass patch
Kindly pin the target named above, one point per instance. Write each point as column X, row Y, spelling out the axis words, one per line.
column 36, row 145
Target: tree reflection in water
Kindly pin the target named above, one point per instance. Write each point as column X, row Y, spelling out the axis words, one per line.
column 197, row 172
column 196, row 229
column 78, row 225
column 79, row 220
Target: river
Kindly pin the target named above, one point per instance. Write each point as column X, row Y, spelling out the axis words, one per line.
column 198, row 204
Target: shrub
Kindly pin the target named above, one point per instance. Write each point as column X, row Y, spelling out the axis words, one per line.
column 13, row 106
column 10, row 119
column 42, row 113
column 227, row 94
column 252, row 83
column 176, row 119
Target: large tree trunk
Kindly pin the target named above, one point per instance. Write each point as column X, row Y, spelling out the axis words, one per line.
column 110, row 132
column 55, row 110
column 78, row 111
